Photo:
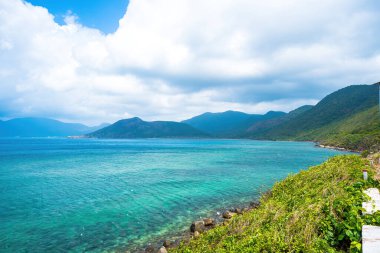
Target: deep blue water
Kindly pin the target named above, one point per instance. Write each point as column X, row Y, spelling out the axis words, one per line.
column 59, row 195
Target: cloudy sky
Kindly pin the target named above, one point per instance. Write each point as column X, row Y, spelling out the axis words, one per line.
column 173, row 59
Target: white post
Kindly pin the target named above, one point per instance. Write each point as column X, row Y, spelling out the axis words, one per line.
column 365, row 175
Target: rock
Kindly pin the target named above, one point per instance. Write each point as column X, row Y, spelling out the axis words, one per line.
column 245, row 209
column 196, row 234
column 209, row 221
column 167, row 243
column 254, row 204
column 197, row 226
column 228, row 215
column 237, row 210
column 162, row 250
column 149, row 249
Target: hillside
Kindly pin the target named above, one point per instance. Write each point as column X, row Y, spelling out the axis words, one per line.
column 358, row 132
column 42, row 127
column 262, row 127
column 229, row 123
column 341, row 118
column 316, row 210
column 137, row 128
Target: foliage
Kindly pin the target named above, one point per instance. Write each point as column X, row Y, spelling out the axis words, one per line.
column 359, row 132
column 365, row 154
column 317, row 210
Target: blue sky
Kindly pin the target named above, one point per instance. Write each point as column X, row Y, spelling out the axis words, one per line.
column 100, row 61
column 101, row 14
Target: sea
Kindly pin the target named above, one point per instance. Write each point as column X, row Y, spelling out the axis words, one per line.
column 94, row 195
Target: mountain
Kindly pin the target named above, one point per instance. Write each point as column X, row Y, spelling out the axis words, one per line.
column 218, row 123
column 137, row 128
column 259, row 129
column 229, row 123
column 41, row 127
column 96, row 128
column 347, row 118
column 339, row 115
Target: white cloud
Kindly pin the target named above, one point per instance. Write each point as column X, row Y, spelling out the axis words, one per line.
column 174, row 59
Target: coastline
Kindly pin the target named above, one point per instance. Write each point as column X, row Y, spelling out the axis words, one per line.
column 335, row 148
column 220, row 217
column 185, row 236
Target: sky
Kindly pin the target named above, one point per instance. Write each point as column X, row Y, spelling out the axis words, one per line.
column 99, row 14
column 100, row 61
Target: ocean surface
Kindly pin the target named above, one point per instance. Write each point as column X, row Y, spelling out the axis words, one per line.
column 66, row 195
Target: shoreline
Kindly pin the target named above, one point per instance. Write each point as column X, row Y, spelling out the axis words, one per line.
column 186, row 235
column 218, row 219
column 197, row 227
column 335, row 148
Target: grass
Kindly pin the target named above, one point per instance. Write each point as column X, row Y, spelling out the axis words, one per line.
column 316, row 210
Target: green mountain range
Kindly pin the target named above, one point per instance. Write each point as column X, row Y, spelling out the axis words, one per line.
column 137, row 128
column 229, row 123
column 348, row 118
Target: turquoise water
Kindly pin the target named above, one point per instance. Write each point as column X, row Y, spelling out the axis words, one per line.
column 59, row 195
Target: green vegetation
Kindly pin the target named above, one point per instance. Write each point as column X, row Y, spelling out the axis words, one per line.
column 229, row 123
column 316, row 210
column 365, row 153
column 358, row 132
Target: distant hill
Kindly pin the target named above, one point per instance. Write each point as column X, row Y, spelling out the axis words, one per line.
column 260, row 129
column 229, row 123
column 345, row 109
column 347, row 118
column 137, row 128
column 42, row 127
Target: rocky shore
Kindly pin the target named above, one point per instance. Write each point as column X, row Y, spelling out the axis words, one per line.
column 333, row 147
column 197, row 227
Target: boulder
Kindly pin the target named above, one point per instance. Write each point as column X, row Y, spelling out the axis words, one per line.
column 149, row 249
column 254, row 204
column 167, row 243
column 162, row 250
column 196, row 234
column 228, row 214
column 197, row 226
column 209, row 221
column 237, row 210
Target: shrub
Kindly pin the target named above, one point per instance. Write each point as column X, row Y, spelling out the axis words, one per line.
column 365, row 153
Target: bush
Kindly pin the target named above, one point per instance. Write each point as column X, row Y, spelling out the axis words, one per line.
column 365, row 153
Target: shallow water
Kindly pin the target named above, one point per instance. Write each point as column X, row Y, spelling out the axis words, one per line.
column 59, row 195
